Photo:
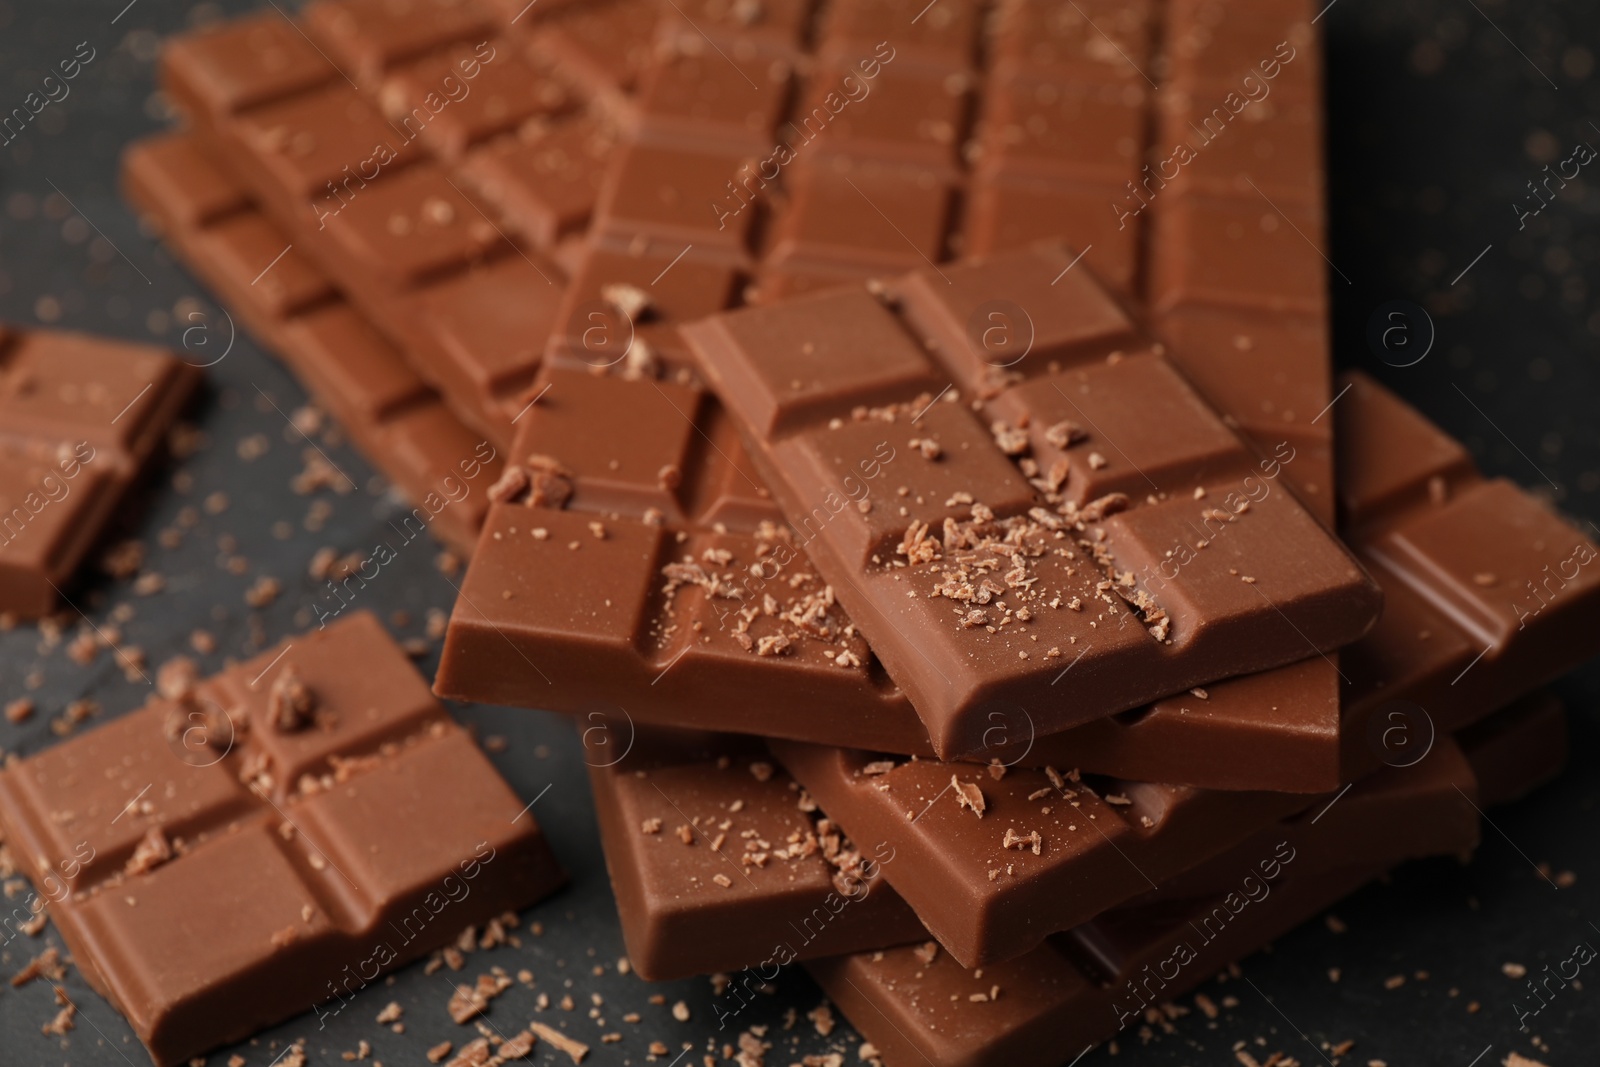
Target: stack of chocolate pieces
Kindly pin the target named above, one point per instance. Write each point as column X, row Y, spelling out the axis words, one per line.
column 904, row 438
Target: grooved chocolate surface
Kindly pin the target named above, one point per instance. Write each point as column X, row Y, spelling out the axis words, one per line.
column 400, row 422
column 681, row 118
column 435, row 163
column 248, row 846
column 918, row 1004
column 1030, row 532
column 1406, row 674
column 82, row 419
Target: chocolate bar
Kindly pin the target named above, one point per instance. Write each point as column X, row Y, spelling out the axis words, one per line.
column 1021, row 555
column 432, row 163
column 687, row 268
column 82, row 420
column 1423, row 517
column 394, row 417
column 1489, row 589
column 246, row 847
column 364, row 382
column 721, row 863
column 919, row 1005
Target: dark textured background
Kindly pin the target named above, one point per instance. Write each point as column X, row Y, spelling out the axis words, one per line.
column 1441, row 111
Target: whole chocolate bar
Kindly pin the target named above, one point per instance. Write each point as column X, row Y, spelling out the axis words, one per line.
column 1071, row 533
column 919, row 1005
column 250, row 846
column 82, row 420
column 400, row 424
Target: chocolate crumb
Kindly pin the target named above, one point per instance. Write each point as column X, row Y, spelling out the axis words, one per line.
column 573, row 1048
column 968, row 795
column 290, row 703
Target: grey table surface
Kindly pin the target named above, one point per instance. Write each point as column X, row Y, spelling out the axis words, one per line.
column 1441, row 112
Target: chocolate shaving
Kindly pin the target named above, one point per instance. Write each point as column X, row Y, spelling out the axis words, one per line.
column 969, row 795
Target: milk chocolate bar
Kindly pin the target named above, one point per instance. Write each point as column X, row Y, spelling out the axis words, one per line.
column 721, row 863
column 394, row 417
column 432, row 162
column 82, row 420
column 250, row 846
column 687, row 269
column 1021, row 553
column 1489, row 589
column 919, row 1005
column 1257, row 732
column 1427, row 521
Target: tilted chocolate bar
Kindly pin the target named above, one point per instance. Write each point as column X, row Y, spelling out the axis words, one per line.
column 250, row 846
column 399, row 423
column 1407, row 485
column 1021, row 555
column 719, row 862
column 918, row 1005
column 82, row 420
column 431, row 162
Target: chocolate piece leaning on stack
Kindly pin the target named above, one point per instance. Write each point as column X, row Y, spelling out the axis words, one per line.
column 245, row 847
column 399, row 423
column 82, row 421
column 758, row 876
column 918, row 1005
column 1002, row 856
column 1086, row 467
